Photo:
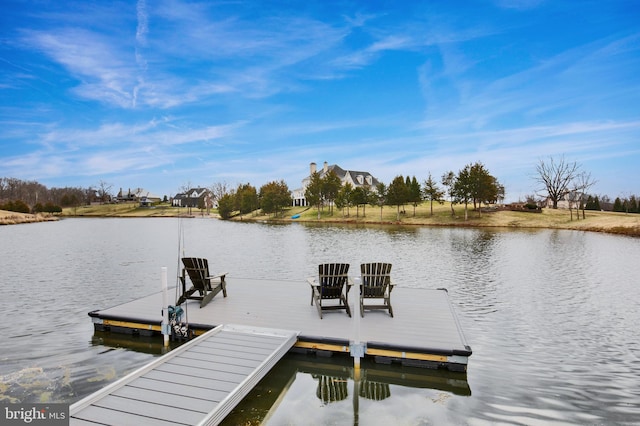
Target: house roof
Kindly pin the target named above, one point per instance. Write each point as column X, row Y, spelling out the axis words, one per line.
column 136, row 194
column 353, row 174
column 193, row 193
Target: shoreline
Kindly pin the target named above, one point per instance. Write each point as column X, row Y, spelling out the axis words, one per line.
column 15, row 218
column 629, row 227
column 595, row 221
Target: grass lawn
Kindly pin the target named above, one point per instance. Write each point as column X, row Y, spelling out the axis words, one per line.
column 127, row 210
column 617, row 223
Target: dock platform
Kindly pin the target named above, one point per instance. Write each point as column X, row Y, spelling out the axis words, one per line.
column 199, row 382
column 423, row 331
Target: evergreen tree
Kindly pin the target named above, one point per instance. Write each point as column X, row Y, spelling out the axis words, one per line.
column 593, row 203
column 344, row 197
column 415, row 193
column 367, row 193
column 432, row 192
column 633, row 204
column 464, row 188
column 379, row 197
column 226, row 205
column 397, row 194
column 246, row 198
column 359, row 198
column 313, row 191
column 274, row 197
column 617, row 205
column 331, row 184
column 483, row 187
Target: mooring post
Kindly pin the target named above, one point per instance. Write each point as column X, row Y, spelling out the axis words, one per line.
column 165, row 307
column 356, row 349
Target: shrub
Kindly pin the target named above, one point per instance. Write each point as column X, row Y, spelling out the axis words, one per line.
column 17, row 206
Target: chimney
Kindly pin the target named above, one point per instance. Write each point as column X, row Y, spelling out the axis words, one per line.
column 312, row 168
column 326, row 167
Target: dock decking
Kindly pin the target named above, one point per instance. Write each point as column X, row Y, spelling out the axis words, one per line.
column 424, row 328
column 199, row 382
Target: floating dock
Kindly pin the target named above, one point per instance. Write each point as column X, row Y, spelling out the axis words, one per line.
column 199, row 382
column 424, row 330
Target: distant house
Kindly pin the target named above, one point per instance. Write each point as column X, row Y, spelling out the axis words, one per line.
column 196, row 197
column 572, row 199
column 148, row 199
column 138, row 195
column 569, row 200
column 355, row 178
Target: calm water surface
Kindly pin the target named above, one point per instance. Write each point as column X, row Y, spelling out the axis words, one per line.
column 551, row 317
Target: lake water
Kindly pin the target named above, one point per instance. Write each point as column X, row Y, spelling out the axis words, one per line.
column 551, row 317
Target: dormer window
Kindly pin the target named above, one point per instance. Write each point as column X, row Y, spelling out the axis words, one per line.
column 360, row 179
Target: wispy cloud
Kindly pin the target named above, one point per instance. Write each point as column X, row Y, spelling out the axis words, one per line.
column 143, row 23
column 237, row 90
column 99, row 68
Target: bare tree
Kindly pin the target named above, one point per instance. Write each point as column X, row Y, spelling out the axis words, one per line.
column 584, row 182
column 220, row 189
column 185, row 187
column 573, row 198
column 104, row 191
column 556, row 176
column 449, row 181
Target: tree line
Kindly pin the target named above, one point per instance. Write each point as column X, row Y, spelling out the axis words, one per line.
column 627, row 205
column 471, row 185
column 33, row 197
column 272, row 197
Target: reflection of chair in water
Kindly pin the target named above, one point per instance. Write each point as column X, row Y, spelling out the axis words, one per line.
column 374, row 390
column 331, row 389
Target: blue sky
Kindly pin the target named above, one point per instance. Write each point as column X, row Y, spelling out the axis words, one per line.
column 165, row 94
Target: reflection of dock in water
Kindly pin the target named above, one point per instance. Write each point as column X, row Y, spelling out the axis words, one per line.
column 143, row 344
column 334, row 383
column 331, row 379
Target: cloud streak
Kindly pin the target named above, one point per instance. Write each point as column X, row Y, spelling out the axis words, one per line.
column 159, row 92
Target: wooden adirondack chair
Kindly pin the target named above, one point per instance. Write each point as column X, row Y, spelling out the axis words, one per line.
column 205, row 285
column 333, row 284
column 376, row 284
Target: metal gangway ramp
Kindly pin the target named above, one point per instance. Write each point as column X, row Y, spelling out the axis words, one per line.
column 198, row 383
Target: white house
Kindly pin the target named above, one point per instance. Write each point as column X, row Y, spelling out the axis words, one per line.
column 571, row 199
column 355, row 178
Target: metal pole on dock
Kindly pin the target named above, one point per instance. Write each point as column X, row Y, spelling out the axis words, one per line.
column 165, row 307
column 357, row 350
